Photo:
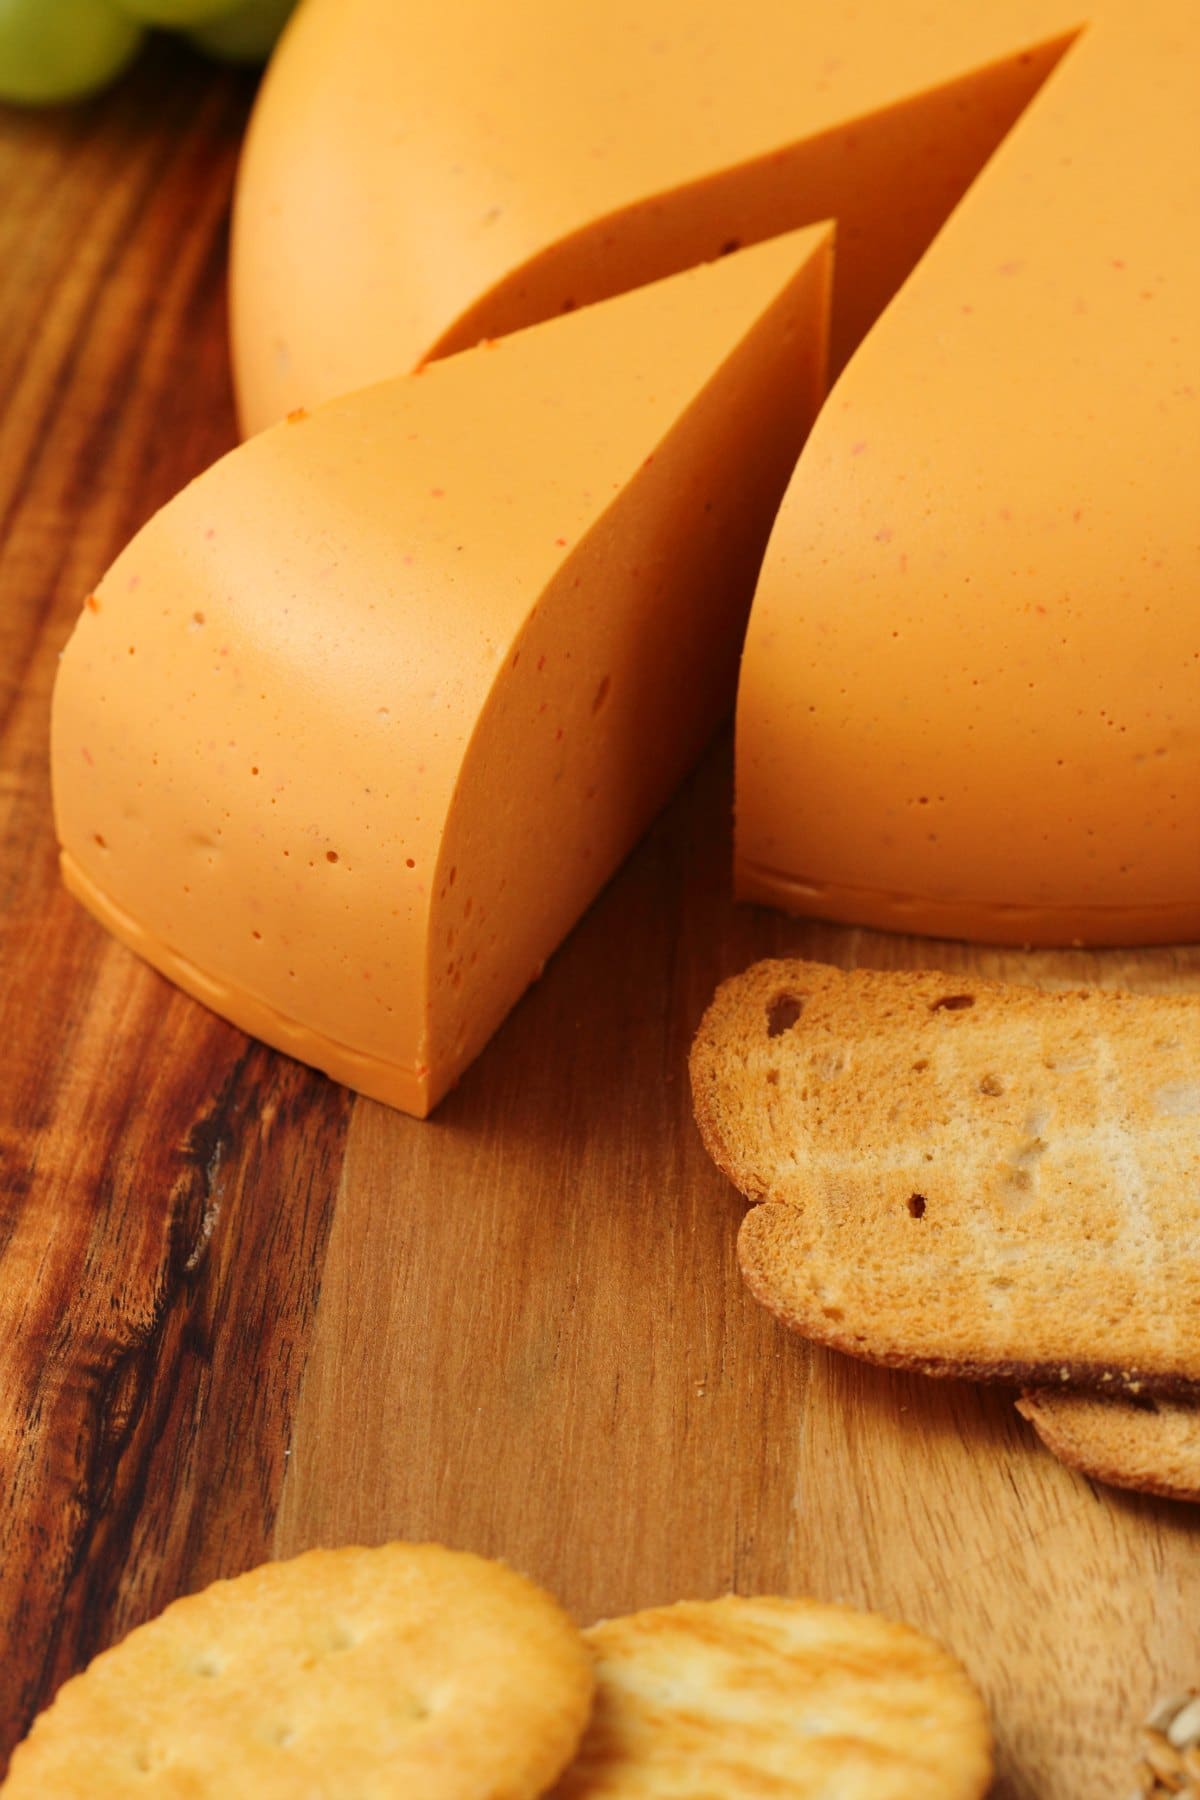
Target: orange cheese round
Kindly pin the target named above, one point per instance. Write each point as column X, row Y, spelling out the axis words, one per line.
column 970, row 697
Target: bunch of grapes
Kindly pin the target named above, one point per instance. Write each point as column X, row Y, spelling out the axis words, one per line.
column 61, row 49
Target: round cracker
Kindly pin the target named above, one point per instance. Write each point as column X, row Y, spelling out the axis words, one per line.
column 403, row 1670
column 737, row 1698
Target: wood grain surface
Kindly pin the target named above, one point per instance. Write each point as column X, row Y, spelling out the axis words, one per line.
column 242, row 1312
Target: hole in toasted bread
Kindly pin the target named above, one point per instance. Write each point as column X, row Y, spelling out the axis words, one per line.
column 952, row 1003
column 991, row 1084
column 916, row 1205
column 783, row 1012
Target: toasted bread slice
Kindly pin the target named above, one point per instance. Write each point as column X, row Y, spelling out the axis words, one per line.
column 964, row 1177
column 1150, row 1445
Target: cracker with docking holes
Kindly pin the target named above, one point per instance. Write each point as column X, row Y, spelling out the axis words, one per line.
column 403, row 1670
column 962, row 1176
column 1150, row 1445
column 735, row 1699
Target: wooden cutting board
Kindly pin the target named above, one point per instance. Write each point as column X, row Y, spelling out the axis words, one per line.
column 242, row 1312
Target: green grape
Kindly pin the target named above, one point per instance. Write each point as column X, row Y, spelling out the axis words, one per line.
column 247, row 34
column 60, row 49
column 176, row 12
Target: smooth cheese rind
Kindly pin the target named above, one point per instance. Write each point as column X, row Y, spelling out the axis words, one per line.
column 416, row 179
column 977, row 635
column 425, row 662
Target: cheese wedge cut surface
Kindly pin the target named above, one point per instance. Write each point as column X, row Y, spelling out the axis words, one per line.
column 356, row 727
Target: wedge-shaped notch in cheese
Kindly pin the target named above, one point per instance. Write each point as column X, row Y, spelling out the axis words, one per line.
column 356, row 727
column 552, row 157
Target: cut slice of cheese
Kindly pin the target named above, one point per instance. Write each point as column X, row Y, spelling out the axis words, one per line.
column 359, row 723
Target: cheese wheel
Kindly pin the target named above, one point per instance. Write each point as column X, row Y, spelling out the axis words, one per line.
column 416, row 178
column 355, row 728
column 971, row 686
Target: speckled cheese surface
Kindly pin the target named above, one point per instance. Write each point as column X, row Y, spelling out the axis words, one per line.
column 355, row 728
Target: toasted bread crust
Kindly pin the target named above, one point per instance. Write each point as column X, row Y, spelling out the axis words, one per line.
column 964, row 1177
column 1153, row 1447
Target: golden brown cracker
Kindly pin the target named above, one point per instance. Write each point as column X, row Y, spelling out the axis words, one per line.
column 355, row 1673
column 741, row 1699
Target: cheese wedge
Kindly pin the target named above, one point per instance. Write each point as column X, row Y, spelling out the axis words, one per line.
column 358, row 724
column 971, row 686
